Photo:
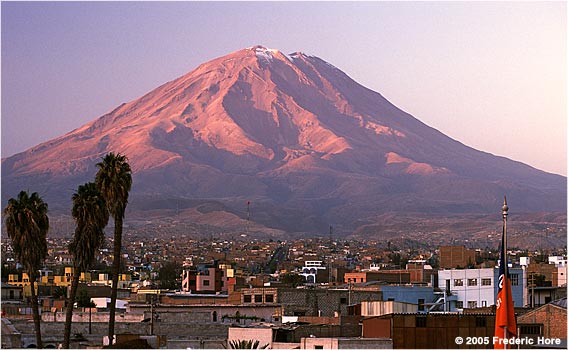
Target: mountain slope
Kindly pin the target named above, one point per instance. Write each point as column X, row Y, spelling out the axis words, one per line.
column 293, row 133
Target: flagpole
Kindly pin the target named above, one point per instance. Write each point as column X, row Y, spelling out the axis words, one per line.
column 504, row 250
column 505, row 213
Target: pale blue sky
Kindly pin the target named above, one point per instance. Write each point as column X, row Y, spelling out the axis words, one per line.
column 489, row 74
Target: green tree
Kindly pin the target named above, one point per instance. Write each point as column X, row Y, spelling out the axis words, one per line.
column 91, row 216
column 114, row 180
column 27, row 224
column 84, row 300
column 169, row 275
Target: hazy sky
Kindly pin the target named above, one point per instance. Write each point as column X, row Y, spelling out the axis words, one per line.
column 491, row 75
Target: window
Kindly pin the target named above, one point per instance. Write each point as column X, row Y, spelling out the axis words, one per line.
column 458, row 282
column 459, row 304
column 472, row 281
column 420, row 304
column 258, row 298
column 269, row 298
column 484, row 303
column 214, row 316
column 205, row 282
column 472, row 304
column 486, row 281
column 343, row 300
column 420, row 321
column 534, row 329
column 514, row 279
column 318, row 346
column 247, row 298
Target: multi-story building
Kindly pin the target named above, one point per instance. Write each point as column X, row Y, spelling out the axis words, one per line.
column 478, row 287
column 310, row 270
column 207, row 278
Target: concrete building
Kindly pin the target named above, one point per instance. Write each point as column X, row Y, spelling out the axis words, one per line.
column 389, row 276
column 207, row 278
column 421, row 296
column 259, row 295
column 324, row 302
column 312, row 336
column 11, row 293
column 311, row 269
column 478, row 287
column 346, row 343
column 558, row 261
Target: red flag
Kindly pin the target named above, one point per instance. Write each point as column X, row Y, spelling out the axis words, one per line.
column 505, row 314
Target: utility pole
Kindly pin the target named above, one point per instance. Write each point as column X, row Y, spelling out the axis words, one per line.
column 532, row 285
column 152, row 304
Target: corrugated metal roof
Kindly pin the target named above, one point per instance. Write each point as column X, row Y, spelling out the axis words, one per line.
column 559, row 302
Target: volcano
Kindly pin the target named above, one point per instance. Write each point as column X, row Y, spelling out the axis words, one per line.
column 294, row 135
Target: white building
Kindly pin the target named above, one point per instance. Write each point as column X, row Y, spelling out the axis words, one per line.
column 558, row 261
column 524, row 261
column 478, row 287
column 310, row 270
column 561, row 271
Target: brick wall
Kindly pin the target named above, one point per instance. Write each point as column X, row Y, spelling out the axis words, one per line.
column 552, row 317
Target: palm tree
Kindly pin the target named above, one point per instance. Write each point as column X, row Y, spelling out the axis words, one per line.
column 27, row 225
column 84, row 300
column 114, row 181
column 91, row 215
column 246, row 344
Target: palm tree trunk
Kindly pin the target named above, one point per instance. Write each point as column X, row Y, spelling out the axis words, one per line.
column 35, row 311
column 115, row 272
column 69, row 311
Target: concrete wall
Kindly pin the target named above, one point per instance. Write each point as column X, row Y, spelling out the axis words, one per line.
column 196, row 344
column 52, row 332
column 95, row 317
column 346, row 343
column 263, row 335
column 318, row 302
